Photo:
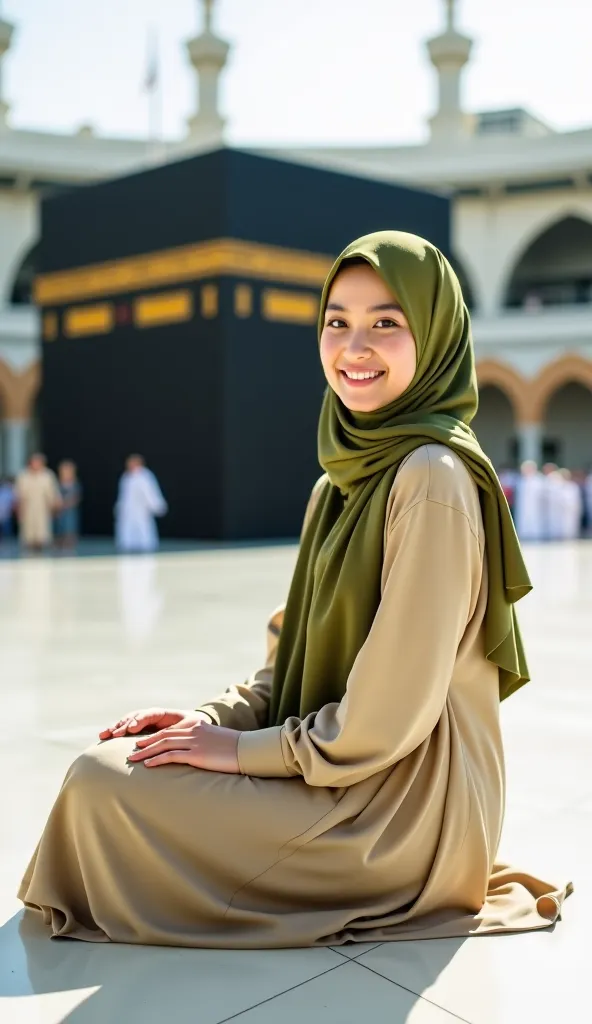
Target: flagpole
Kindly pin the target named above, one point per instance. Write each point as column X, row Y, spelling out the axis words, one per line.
column 152, row 86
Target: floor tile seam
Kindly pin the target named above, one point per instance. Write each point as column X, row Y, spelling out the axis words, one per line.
column 351, row 959
column 411, row 991
column 276, row 995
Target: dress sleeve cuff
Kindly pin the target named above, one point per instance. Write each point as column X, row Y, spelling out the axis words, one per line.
column 260, row 753
column 211, row 711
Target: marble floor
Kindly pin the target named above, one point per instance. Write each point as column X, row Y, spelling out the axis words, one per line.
column 82, row 641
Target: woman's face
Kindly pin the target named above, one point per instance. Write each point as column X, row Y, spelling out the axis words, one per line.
column 367, row 349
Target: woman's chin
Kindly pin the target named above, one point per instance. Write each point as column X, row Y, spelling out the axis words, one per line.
column 360, row 402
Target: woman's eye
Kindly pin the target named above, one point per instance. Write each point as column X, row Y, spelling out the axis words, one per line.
column 336, row 322
column 385, row 321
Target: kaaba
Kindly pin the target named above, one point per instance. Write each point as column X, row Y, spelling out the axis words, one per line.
column 179, row 311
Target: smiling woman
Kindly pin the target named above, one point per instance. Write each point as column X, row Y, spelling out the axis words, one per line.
column 367, row 348
column 353, row 788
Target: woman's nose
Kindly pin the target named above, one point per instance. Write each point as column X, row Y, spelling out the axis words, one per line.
column 358, row 344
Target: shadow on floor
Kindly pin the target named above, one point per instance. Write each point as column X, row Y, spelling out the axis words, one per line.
column 90, row 983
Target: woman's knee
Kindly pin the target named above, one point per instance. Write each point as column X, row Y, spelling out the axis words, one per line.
column 101, row 766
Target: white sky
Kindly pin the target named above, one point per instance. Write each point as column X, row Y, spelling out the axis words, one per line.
column 301, row 70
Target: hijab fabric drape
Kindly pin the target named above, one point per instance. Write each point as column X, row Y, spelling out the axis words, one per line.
column 335, row 589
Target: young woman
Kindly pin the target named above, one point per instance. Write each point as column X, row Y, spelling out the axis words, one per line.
column 353, row 789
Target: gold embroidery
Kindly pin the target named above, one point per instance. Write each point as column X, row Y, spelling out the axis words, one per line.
column 290, row 307
column 50, row 326
column 163, row 308
column 209, row 301
column 217, row 257
column 82, row 320
column 243, row 300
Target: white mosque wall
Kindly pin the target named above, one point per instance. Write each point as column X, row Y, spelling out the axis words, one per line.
column 491, row 233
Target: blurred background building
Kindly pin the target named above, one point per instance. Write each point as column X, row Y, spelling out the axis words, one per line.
column 522, row 238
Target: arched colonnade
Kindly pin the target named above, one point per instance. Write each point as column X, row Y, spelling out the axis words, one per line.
column 545, row 418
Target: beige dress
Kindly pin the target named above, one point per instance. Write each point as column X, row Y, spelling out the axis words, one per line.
column 38, row 496
column 377, row 818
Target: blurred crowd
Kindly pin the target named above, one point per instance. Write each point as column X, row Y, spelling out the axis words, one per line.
column 549, row 504
column 43, row 508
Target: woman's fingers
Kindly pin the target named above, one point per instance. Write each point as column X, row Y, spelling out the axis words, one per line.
column 170, row 757
column 112, row 730
column 155, row 737
column 168, row 743
column 134, row 722
column 121, row 730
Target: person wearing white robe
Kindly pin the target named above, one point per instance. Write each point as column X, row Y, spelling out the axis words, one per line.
column 554, row 504
column 139, row 501
column 529, row 502
column 571, row 500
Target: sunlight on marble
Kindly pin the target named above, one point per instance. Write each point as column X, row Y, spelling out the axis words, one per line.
column 84, row 641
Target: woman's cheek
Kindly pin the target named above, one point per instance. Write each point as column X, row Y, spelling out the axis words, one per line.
column 328, row 355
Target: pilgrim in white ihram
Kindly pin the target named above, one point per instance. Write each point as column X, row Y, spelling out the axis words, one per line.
column 139, row 502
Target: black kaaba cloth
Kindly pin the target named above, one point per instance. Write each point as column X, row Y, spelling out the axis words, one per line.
column 179, row 321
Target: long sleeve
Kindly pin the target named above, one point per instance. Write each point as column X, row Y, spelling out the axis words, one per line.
column 245, row 707
column 399, row 682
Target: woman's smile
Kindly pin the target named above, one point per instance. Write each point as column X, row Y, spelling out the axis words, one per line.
column 360, row 378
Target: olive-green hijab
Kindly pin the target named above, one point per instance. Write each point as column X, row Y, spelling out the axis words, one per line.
column 335, row 590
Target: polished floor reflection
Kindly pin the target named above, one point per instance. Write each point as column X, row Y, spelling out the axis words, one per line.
column 82, row 641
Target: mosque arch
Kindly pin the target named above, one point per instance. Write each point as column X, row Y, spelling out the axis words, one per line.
column 492, row 373
column 18, row 391
column 554, row 265
column 568, row 426
column 569, row 369
column 6, row 381
column 21, row 289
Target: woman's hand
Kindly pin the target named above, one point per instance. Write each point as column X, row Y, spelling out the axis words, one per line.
column 161, row 718
column 203, row 746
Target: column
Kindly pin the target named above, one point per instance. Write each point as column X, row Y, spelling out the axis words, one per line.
column 15, row 434
column 530, row 442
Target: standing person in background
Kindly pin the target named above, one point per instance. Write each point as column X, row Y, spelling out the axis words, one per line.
column 7, row 502
column 529, row 502
column 571, row 502
column 67, row 524
column 139, row 501
column 579, row 476
column 38, row 498
column 588, row 499
column 549, row 502
column 554, row 503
